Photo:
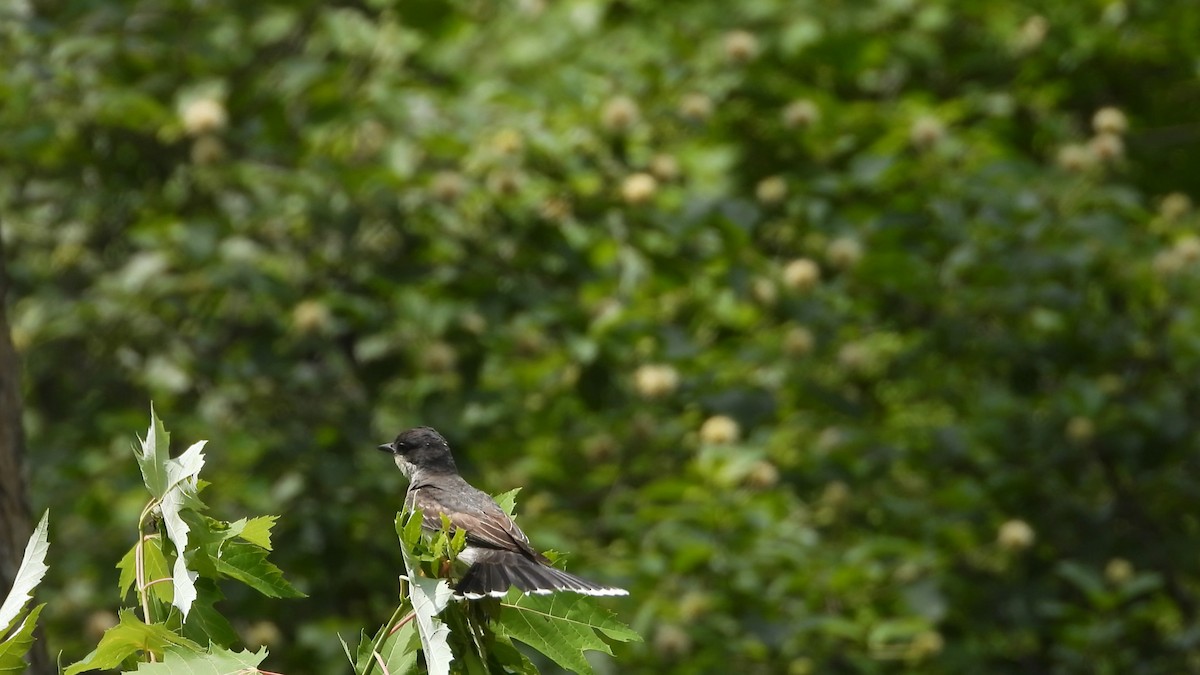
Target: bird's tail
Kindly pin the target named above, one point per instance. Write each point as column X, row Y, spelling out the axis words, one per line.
column 494, row 572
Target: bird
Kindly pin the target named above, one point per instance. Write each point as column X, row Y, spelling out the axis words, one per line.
column 497, row 552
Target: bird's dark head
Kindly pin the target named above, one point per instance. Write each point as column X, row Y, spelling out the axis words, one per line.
column 421, row 450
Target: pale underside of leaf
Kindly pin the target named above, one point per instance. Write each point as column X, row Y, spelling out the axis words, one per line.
column 29, row 574
column 182, row 474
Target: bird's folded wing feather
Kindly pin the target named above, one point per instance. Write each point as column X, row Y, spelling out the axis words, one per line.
column 487, row 526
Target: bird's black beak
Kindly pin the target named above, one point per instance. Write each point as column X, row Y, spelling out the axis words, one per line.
column 388, row 447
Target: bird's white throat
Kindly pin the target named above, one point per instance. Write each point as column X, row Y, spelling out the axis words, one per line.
column 406, row 467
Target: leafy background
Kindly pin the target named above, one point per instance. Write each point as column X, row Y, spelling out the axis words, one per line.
column 852, row 337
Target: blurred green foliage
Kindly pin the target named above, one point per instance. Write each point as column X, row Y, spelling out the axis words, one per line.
column 850, row 336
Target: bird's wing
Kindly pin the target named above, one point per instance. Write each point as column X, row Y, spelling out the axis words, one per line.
column 485, row 522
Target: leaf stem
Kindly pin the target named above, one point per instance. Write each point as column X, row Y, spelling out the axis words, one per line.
column 140, row 568
column 383, row 635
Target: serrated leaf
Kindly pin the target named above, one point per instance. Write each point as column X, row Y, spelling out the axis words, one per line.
column 156, row 568
column 398, row 650
column 128, row 638
column 204, row 530
column 508, row 501
column 258, row 531
column 248, row 564
column 215, row 661
column 561, row 626
column 408, row 527
column 428, row 597
column 152, row 456
column 205, row 624
column 16, row 646
column 29, row 574
column 506, row 655
column 182, row 474
column 128, row 567
column 346, row 648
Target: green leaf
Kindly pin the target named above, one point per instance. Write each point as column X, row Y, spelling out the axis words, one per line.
column 153, row 455
column 215, row 661
column 128, row 567
column 258, row 531
column 182, row 474
column 204, row 530
column 248, row 563
column 16, row 646
column 156, row 568
column 130, row 637
column 561, row 626
column 29, row 574
column 429, row 597
column 205, row 624
column 509, row 658
column 398, row 650
column 508, row 501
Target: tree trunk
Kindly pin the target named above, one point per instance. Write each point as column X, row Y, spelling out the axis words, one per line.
column 15, row 526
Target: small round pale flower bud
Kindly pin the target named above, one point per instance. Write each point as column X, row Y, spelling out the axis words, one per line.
column 207, row 150
column 1168, row 263
column 671, row 641
column 741, row 46
column 694, row 605
column 1110, row 120
column 369, row 138
column 1015, row 535
column 719, row 430
column 771, row 190
column 311, row 316
column 505, row 182
column 664, row 167
column 1074, row 157
column 439, row 357
column 800, row 666
column 1107, row 147
column 764, row 291
column 508, row 142
column 655, row 380
column 556, row 209
column 1175, row 206
column 473, row 322
column 1032, row 33
column 801, row 114
column 855, row 357
column 1188, row 249
column 639, row 188
column 262, row 634
column 97, row 622
column 1118, row 571
column 844, row 253
column 696, row 107
column 799, row 341
column 926, row 132
column 762, row 475
column 835, row 494
column 926, row 644
column 620, row 114
column 203, row 116
column 600, row 448
column 1081, row 430
column 801, row 274
column 447, row 186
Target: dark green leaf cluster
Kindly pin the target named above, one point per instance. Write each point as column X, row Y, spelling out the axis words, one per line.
column 475, row 636
column 173, row 569
column 849, row 336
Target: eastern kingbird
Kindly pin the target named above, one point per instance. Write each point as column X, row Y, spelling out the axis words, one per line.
column 497, row 551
